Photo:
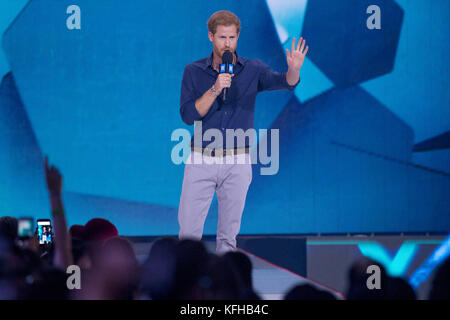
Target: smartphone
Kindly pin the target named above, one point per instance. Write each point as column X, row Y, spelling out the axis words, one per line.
column 45, row 231
column 25, row 228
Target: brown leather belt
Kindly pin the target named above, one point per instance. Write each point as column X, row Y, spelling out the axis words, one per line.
column 220, row 152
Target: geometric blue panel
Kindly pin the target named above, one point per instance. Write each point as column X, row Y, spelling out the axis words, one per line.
column 441, row 141
column 9, row 9
column 22, row 189
column 436, row 159
column 346, row 51
column 417, row 90
column 288, row 17
column 104, row 100
column 131, row 218
column 102, row 103
column 345, row 167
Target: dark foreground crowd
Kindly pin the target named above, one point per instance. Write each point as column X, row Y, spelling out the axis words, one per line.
column 173, row 269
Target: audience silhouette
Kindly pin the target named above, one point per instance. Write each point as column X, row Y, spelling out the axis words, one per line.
column 173, row 269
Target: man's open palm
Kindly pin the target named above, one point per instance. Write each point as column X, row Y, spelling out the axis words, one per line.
column 297, row 55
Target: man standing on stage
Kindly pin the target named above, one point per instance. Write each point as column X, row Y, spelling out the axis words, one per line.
column 202, row 99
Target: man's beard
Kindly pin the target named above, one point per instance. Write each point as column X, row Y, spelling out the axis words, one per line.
column 222, row 52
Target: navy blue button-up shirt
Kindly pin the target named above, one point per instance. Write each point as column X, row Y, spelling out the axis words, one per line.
column 237, row 111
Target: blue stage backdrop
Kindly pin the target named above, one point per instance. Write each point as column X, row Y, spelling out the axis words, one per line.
column 364, row 139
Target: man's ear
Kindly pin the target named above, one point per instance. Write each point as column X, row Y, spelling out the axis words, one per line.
column 210, row 36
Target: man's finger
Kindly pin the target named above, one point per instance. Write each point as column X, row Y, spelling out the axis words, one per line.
column 306, row 50
column 299, row 41
column 302, row 46
column 293, row 45
column 287, row 53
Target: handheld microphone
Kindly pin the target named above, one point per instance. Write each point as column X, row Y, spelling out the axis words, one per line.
column 226, row 67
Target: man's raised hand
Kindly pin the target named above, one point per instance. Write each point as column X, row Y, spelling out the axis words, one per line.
column 53, row 178
column 297, row 55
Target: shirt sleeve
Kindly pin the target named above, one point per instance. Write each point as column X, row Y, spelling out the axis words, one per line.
column 188, row 112
column 272, row 80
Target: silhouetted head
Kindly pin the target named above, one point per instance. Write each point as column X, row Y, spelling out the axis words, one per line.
column 219, row 281
column 8, row 228
column 49, row 284
column 440, row 289
column 308, row 292
column 358, row 276
column 18, row 271
column 96, row 230
column 400, row 289
column 115, row 270
column 191, row 259
column 158, row 271
column 243, row 265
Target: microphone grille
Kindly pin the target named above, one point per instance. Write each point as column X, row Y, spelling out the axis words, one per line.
column 227, row 57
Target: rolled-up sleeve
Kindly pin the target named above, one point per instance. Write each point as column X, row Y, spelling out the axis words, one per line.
column 188, row 112
column 272, row 80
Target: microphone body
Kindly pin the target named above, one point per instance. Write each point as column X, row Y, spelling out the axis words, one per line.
column 226, row 67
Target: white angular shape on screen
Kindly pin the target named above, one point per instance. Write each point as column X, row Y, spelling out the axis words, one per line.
column 9, row 9
column 288, row 16
column 282, row 33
